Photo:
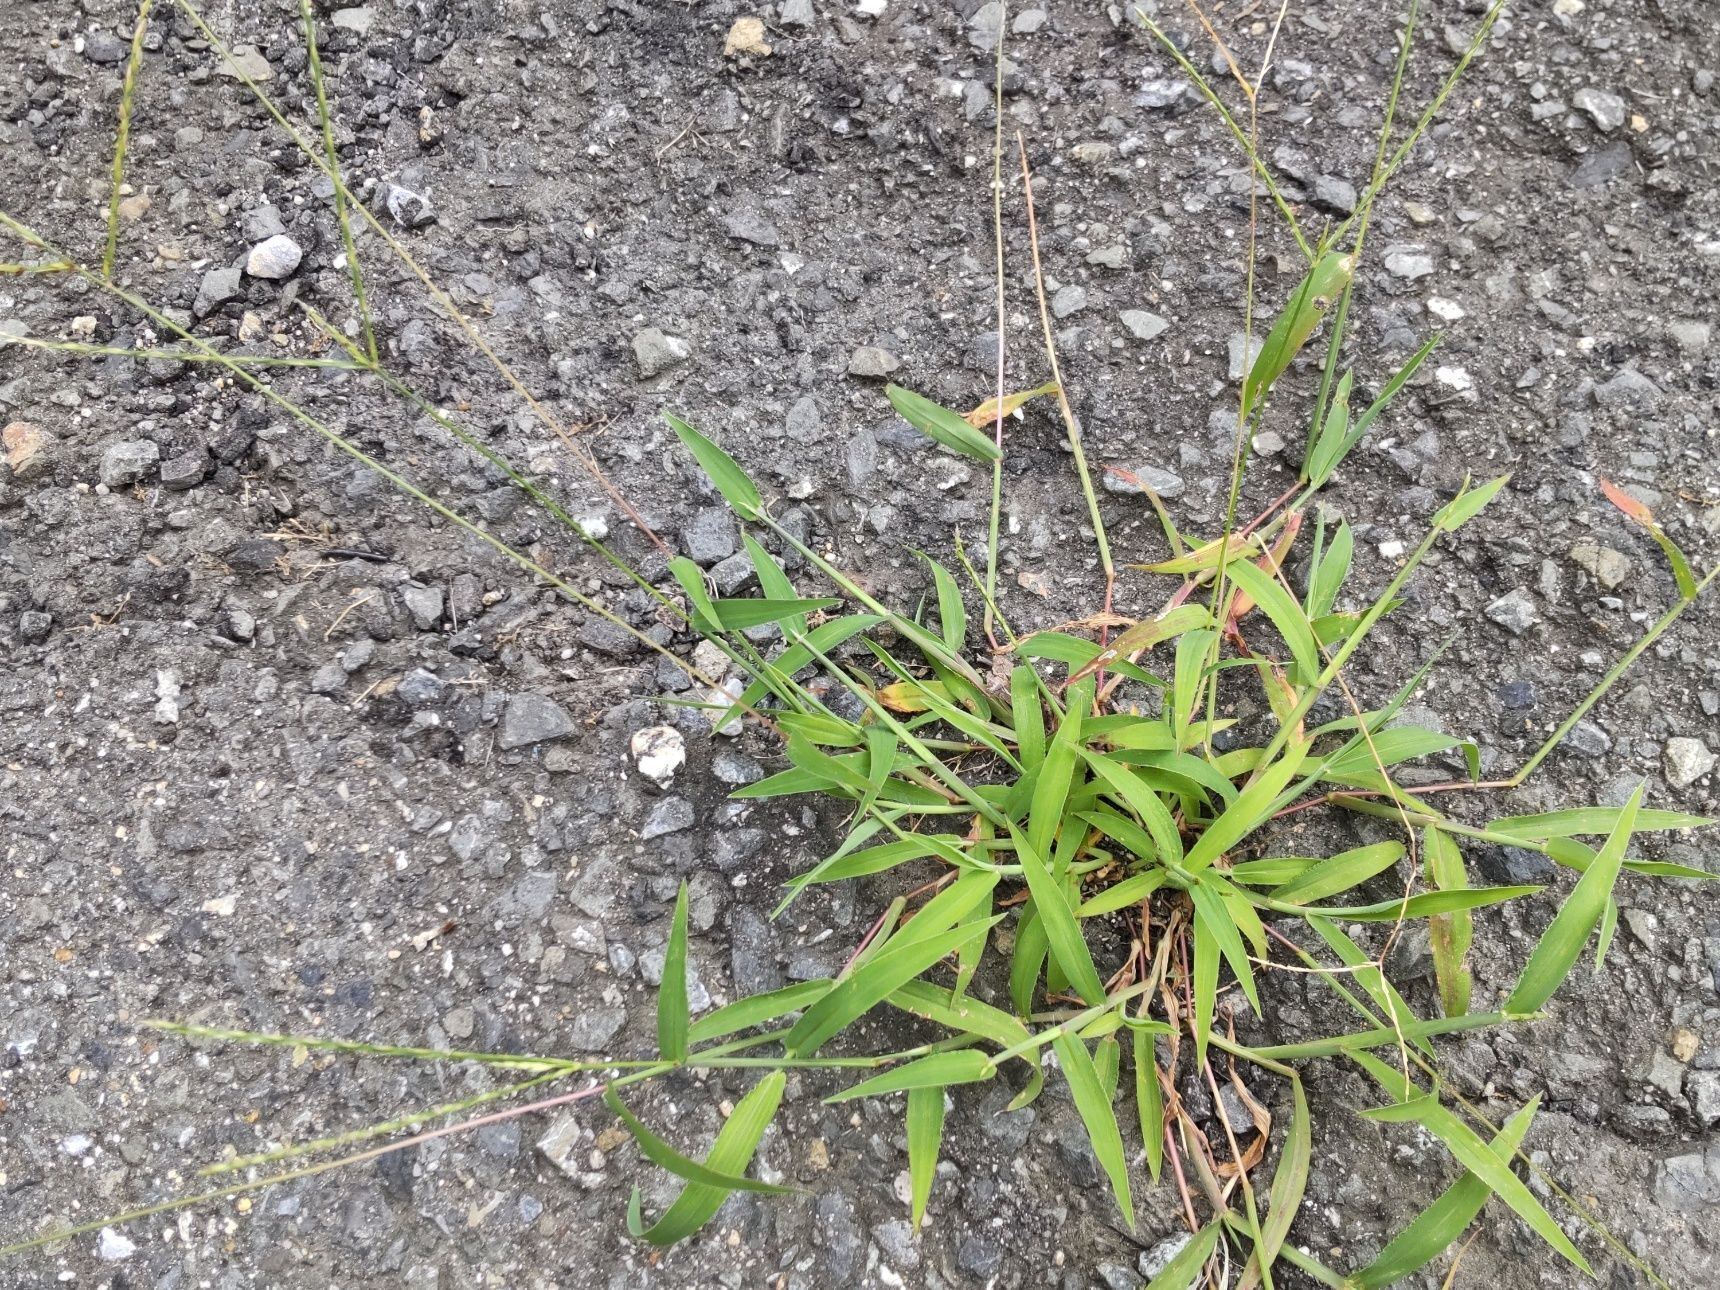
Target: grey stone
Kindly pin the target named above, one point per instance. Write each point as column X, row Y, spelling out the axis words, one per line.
column 1630, row 390
column 1603, row 165
column 656, row 352
column 1703, row 1090
column 424, row 604
column 750, row 226
column 409, row 209
column 839, row 1234
column 217, row 288
column 34, row 626
column 1068, row 300
column 420, row 688
column 1161, row 92
column 1028, row 21
column 1243, row 352
column 1410, row 262
column 671, row 815
column 128, row 461
column 1691, row 335
column 895, row 1238
column 532, row 718
column 709, row 536
column 104, row 47
column 357, row 21
column 1514, row 611
column 1606, row 110
column 979, row 1256
column 330, row 678
column 1143, row 325
column 1689, row 1183
column 1156, row 1260
column 797, row 13
column 185, row 470
column 595, row 1027
column 469, row 838
column 1512, row 866
column 872, row 362
column 1588, row 739
column 1163, row 482
column 735, row 768
column 804, row 421
column 1337, row 194
column 112, row 1246
column 247, row 61
column 274, row 258
column 260, row 223
column 1606, row 566
column 1687, row 760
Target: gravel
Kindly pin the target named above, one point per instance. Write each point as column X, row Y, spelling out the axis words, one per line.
column 275, row 258
column 533, row 719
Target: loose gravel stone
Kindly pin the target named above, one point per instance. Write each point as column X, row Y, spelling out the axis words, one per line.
column 1687, row 760
column 656, row 352
column 750, row 226
column 1163, row 482
column 1606, row 110
column 1143, row 325
column 532, row 718
column 871, row 362
column 658, row 752
column 1606, row 566
column 671, row 815
column 185, row 470
column 710, row 536
column 274, row 258
column 1067, row 301
column 128, row 461
column 1514, row 611
column 217, row 288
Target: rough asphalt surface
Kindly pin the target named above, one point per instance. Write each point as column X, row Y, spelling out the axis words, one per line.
column 250, row 778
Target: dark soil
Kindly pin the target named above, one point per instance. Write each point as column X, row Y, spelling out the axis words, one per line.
column 249, row 778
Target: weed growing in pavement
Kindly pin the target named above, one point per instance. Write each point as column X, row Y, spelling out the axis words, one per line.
column 1073, row 822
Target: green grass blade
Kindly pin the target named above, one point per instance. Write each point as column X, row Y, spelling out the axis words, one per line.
column 965, row 1066
column 743, row 1014
column 1289, row 1184
column 1057, row 917
column 1286, row 615
column 661, row 1154
column 1562, row 943
column 1149, row 1102
column 1422, row 905
column 672, row 1015
column 1479, row 1158
column 889, row 969
column 725, row 475
column 1180, row 1272
column 1450, row 935
column 122, row 135
column 1211, row 910
column 925, row 1135
column 939, row 423
column 730, row 1154
column 1339, row 873
column 1444, row 1221
column 1593, row 821
column 1134, row 794
column 1249, row 811
column 1467, row 504
column 1309, row 303
column 1098, row 1115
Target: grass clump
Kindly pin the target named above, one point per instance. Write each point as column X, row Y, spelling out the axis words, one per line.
column 1083, row 840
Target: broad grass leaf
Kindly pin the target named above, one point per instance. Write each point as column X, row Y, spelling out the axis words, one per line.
column 1467, row 504
column 886, row 971
column 1681, row 571
column 1027, row 715
column 1289, row 1184
column 664, row 1156
column 1449, row 935
column 925, row 1135
column 1331, row 455
column 1421, row 905
column 1211, row 911
column 1593, row 821
column 1286, row 615
column 1149, row 1102
column 729, row 479
column 1438, row 1226
column 1129, row 789
column 1098, row 1115
column 730, row 1154
column 1339, row 873
column 773, row 582
column 739, row 614
column 1479, row 1158
column 1251, row 809
column 988, row 413
column 1180, row 1272
column 952, row 617
column 1312, row 300
column 939, row 423
column 939, row 1070
column 672, row 1015
column 1562, row 943
column 1326, row 449
column 1057, row 916
column 1327, row 577
column 755, row 1010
